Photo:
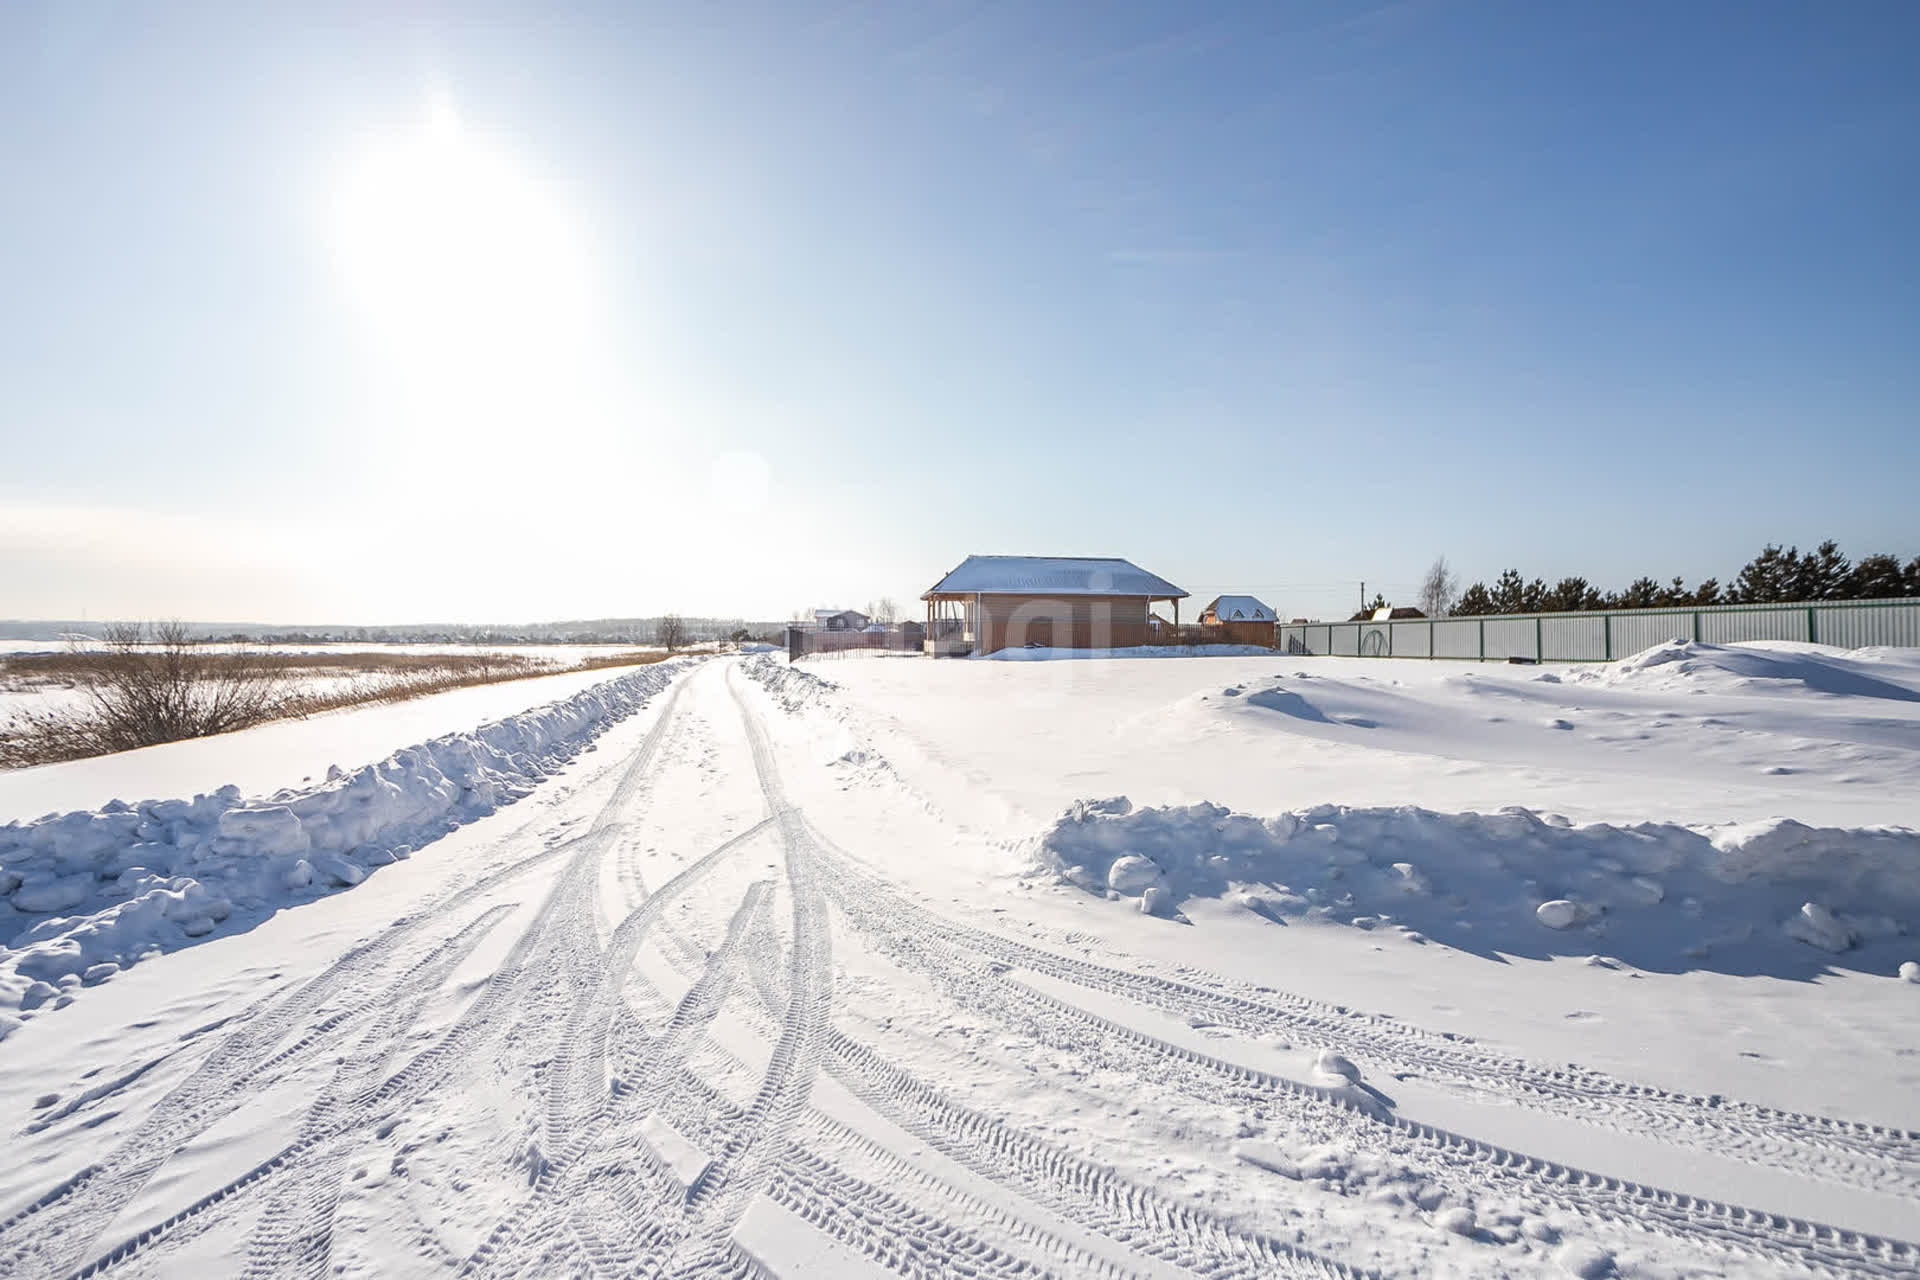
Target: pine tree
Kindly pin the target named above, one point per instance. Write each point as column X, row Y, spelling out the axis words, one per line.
column 1823, row 573
column 1475, row 601
column 1569, row 595
column 1768, row 578
column 1641, row 593
column 1509, row 593
column 1876, row 577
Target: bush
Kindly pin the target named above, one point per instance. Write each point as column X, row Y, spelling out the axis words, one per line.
column 153, row 684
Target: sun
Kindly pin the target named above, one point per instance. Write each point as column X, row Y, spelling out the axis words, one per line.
column 452, row 252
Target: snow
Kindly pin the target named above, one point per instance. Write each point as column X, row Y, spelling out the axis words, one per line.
column 1053, row 576
column 875, row 972
column 284, row 753
column 1263, row 732
column 126, row 883
column 1690, row 666
column 686, row 1162
column 1658, row 895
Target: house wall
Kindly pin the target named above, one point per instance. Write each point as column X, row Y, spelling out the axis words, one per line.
column 1062, row 622
column 1246, row 631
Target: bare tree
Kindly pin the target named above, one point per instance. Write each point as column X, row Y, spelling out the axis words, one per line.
column 884, row 610
column 670, row 633
column 153, row 684
column 1439, row 589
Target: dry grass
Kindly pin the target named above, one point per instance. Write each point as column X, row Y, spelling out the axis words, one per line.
column 156, row 686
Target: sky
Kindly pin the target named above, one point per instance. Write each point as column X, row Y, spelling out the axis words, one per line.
column 391, row 312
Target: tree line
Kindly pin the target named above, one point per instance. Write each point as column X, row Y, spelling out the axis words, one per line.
column 1777, row 575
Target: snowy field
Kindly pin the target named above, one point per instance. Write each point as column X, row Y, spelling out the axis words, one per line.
column 1223, row 966
column 25, row 692
column 561, row 655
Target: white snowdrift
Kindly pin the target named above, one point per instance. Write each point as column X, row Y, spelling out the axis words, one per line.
column 792, row 687
column 1751, row 897
column 99, row 890
column 1133, row 651
column 1764, row 666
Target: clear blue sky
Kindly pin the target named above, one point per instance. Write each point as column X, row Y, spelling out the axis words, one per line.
column 364, row 312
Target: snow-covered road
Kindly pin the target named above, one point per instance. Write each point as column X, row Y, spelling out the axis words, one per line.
column 715, row 1002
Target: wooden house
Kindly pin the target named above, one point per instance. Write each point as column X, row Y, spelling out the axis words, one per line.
column 1241, row 619
column 989, row 603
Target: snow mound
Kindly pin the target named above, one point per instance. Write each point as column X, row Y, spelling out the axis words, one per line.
column 92, row 890
column 1043, row 654
column 792, row 687
column 1778, row 895
column 1685, row 664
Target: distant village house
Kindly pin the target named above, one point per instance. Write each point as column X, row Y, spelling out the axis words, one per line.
column 840, row 620
column 1241, row 619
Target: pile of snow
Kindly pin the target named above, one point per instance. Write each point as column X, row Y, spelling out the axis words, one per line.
column 1764, row 665
column 1661, row 895
column 1043, row 654
column 792, row 687
column 99, row 890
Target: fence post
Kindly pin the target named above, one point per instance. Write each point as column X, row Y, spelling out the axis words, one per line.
column 1539, row 639
column 1483, row 639
column 1813, row 627
column 1606, row 636
column 1696, row 626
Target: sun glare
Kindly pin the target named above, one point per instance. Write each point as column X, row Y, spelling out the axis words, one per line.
column 452, row 251
column 470, row 279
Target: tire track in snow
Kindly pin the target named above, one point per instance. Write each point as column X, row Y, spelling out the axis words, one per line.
column 68, row 1219
column 1849, row 1153
column 60, row 1226
column 330, row 1117
column 295, row 1236
column 637, row 1091
column 1090, row 1195
column 1465, row 1164
column 752, row 1152
column 622, row 949
column 1846, row 1152
column 966, row 1236
column 1143, row 1220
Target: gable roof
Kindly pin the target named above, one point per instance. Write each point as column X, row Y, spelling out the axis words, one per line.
column 1053, row 576
column 1239, row 609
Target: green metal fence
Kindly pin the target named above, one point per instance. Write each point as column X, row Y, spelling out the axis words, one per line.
column 1602, row 637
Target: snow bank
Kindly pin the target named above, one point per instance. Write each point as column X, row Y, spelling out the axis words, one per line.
column 792, row 687
column 1758, row 667
column 99, row 890
column 1771, row 895
column 1134, row 651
